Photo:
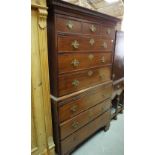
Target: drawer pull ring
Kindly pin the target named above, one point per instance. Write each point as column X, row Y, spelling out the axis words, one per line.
column 74, row 108
column 75, row 125
column 103, row 59
column 90, row 73
column 90, row 56
column 75, row 63
column 92, row 41
column 75, row 83
column 69, row 24
column 104, row 45
column 75, row 44
column 108, row 31
column 93, row 28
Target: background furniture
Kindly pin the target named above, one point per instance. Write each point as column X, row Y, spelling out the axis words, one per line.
column 118, row 75
column 80, row 48
column 41, row 124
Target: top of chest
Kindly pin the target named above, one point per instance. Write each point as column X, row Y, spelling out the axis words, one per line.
column 78, row 19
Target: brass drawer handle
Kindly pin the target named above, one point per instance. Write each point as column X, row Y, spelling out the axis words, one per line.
column 75, row 125
column 75, row 63
column 105, row 45
column 90, row 73
column 90, row 56
column 75, row 83
column 69, row 24
column 108, row 31
column 103, row 59
column 74, row 108
column 75, row 44
column 91, row 41
column 93, row 28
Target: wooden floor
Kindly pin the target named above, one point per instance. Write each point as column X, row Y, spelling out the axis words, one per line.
column 105, row 143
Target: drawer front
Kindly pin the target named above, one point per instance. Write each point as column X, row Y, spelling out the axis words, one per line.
column 81, row 43
column 68, row 25
column 91, row 28
column 76, row 61
column 72, row 108
column 76, row 138
column 70, row 83
column 80, row 120
column 108, row 32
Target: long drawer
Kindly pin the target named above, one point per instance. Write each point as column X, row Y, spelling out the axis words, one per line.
column 70, row 108
column 76, row 138
column 83, row 118
column 68, row 43
column 77, row 61
column 70, row 83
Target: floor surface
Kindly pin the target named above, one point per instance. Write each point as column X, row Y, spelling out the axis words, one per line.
column 105, row 143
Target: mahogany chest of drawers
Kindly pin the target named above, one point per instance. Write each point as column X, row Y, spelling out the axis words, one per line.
column 80, row 47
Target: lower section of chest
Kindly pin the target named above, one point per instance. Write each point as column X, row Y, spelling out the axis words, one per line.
column 77, row 117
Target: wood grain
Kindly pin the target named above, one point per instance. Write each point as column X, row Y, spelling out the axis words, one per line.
column 42, row 137
column 83, row 118
column 83, row 102
column 72, row 141
column 66, row 82
column 85, row 61
column 65, row 43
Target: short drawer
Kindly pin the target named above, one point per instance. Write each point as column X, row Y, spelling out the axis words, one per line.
column 76, row 138
column 70, row 83
column 91, row 28
column 68, row 24
column 77, row 61
column 83, row 118
column 108, row 32
column 72, row 107
column 68, row 43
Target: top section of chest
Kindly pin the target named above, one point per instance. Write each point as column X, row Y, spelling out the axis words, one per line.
column 80, row 45
column 69, row 18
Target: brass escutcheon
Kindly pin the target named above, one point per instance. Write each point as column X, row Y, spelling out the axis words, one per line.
column 75, row 63
column 75, row 44
column 69, row 24
column 90, row 56
column 74, row 108
column 75, row 125
column 92, row 41
column 104, row 44
column 75, row 83
column 103, row 59
column 108, row 31
column 90, row 73
column 92, row 28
